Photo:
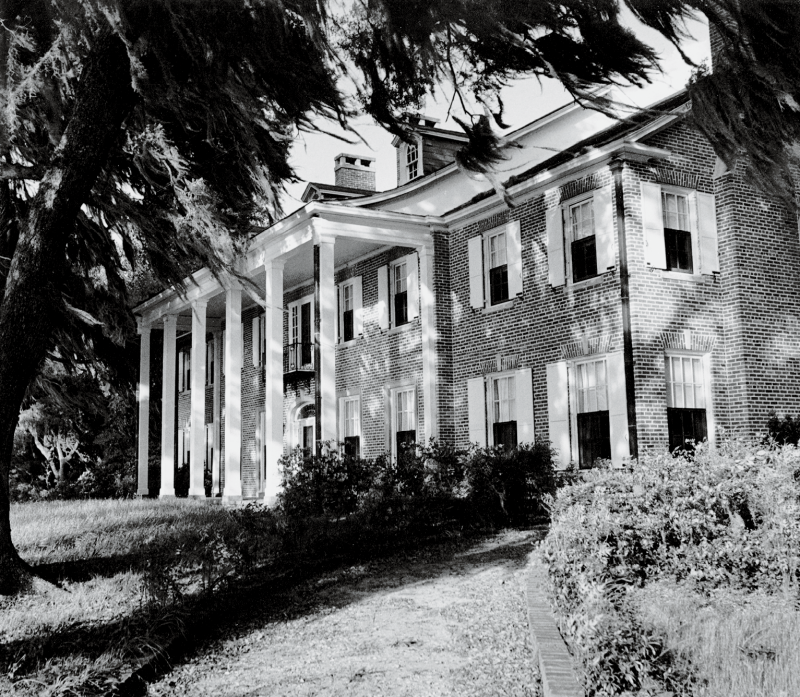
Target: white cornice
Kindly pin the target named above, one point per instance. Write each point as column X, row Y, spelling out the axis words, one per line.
column 592, row 159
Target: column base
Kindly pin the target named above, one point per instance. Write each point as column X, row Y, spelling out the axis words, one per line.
column 164, row 495
column 196, row 496
column 231, row 498
column 143, row 494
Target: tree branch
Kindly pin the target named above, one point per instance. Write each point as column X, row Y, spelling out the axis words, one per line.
column 11, row 170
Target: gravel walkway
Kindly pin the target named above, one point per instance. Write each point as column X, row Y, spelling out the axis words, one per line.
column 448, row 620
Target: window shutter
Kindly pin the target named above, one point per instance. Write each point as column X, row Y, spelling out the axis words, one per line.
column 476, row 406
column 256, row 341
column 358, row 308
column 180, row 371
column 617, row 409
column 383, row 297
column 339, row 311
column 707, row 222
column 655, row 254
column 514, row 257
column 222, row 354
column 558, row 411
column 604, row 229
column 412, row 283
column 524, row 392
column 476, row 283
column 555, row 246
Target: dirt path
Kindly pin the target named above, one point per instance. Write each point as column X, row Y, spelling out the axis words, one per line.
column 448, row 620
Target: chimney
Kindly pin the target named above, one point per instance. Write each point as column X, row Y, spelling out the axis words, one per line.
column 354, row 171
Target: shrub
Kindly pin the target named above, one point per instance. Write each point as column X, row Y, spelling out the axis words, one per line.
column 502, row 483
column 717, row 519
column 783, row 430
column 331, row 484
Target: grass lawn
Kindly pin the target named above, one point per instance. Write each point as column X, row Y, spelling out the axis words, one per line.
column 134, row 574
column 112, row 610
column 742, row 644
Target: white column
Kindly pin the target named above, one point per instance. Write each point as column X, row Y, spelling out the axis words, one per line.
column 325, row 340
column 197, row 442
column 233, row 395
column 168, row 410
column 273, row 392
column 427, row 301
column 217, row 411
column 143, row 398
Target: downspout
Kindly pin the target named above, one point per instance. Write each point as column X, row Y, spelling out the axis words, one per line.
column 617, row 165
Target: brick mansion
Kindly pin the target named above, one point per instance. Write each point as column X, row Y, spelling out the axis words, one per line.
column 636, row 295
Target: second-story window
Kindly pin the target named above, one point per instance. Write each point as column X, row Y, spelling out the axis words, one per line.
column 583, row 245
column 498, row 268
column 210, row 362
column 412, row 161
column 348, row 312
column 677, row 231
column 184, row 371
column 399, row 287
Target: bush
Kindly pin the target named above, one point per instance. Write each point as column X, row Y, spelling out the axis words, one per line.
column 429, row 484
column 332, row 484
column 717, row 519
column 510, row 486
column 783, row 430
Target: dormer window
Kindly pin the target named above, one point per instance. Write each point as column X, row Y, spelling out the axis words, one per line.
column 412, row 161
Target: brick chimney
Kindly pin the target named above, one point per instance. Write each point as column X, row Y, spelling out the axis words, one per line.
column 354, row 171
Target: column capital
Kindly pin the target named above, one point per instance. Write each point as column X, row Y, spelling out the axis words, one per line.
column 323, row 237
column 275, row 264
column 200, row 304
column 170, row 320
column 142, row 327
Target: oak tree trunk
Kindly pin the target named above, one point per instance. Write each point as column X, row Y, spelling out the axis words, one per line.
column 32, row 299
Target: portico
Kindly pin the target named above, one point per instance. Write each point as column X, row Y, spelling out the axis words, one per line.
column 229, row 410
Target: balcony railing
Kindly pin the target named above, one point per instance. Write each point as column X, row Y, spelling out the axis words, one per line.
column 298, row 358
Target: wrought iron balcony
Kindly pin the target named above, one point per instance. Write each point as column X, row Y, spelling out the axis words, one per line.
column 298, row 360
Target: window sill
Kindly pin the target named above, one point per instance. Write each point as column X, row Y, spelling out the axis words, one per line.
column 408, row 326
column 588, row 282
column 678, row 275
column 351, row 342
column 500, row 306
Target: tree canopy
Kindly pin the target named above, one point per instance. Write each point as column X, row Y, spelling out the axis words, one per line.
column 151, row 137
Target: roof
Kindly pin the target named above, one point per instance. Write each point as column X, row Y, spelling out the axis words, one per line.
column 603, row 137
column 346, row 191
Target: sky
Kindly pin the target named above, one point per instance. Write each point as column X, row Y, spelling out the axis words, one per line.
column 313, row 153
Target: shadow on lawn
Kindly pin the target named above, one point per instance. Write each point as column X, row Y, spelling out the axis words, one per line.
column 166, row 633
column 84, row 570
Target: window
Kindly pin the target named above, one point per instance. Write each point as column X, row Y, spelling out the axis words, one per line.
column 184, row 439
column 259, row 339
column 306, row 420
column 348, row 312
column 495, row 266
column 404, row 422
column 594, row 435
column 686, row 401
column 504, row 411
column 677, row 231
column 583, row 245
column 412, row 161
column 184, row 371
column 301, row 337
column 210, row 362
column 350, row 414
column 261, row 449
column 498, row 268
column 399, row 293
